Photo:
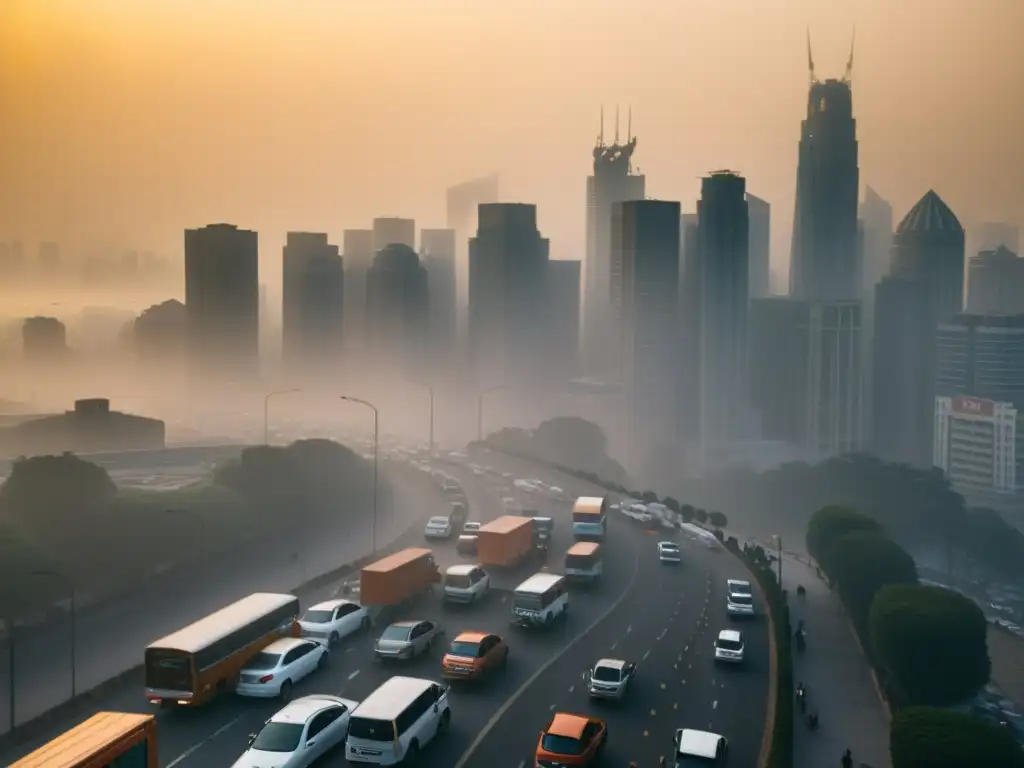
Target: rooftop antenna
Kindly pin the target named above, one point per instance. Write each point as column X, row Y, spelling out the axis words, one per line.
column 616, row 123
column 849, row 64
column 629, row 124
column 810, row 56
column 600, row 135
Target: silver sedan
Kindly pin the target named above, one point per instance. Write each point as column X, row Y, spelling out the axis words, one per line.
column 407, row 639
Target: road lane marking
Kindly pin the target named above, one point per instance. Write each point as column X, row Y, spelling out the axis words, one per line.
column 629, row 628
column 552, row 707
column 662, row 634
column 522, row 764
column 714, row 704
column 354, row 675
column 463, row 761
column 195, row 747
column 572, row 687
column 614, row 645
column 646, row 654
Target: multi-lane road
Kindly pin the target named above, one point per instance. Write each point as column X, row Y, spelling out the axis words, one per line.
column 664, row 618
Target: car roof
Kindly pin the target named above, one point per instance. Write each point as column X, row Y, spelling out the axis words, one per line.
column 668, row 544
column 330, row 605
column 737, row 583
column 438, row 519
column 730, row 634
column 461, row 570
column 300, row 710
column 568, row 726
column 285, row 644
column 540, row 582
column 610, row 663
column 406, row 624
column 697, row 743
column 471, row 636
column 392, row 697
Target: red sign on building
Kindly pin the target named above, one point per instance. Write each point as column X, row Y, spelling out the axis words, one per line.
column 973, row 406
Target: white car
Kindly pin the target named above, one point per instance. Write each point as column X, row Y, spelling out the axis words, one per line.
column 556, row 493
column 740, row 601
column 694, row 747
column 729, row 646
column 668, row 552
column 334, row 620
column 275, row 669
column 610, row 678
column 466, row 584
column 438, row 528
column 300, row 733
column 471, row 527
column 525, row 485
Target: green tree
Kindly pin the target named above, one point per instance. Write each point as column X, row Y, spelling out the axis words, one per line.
column 671, row 503
column 576, row 443
column 905, row 619
column 929, row 737
column 718, row 519
column 700, row 515
column 46, row 490
column 649, row 497
column 862, row 563
column 829, row 523
column 687, row 512
column 512, row 440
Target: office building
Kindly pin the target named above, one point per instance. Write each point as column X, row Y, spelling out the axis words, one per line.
column 876, row 214
column 723, row 264
column 313, row 301
column 563, row 285
column 976, row 445
column 397, row 311
column 995, row 283
column 644, row 288
column 688, row 408
column 825, row 262
column 358, row 253
column 508, row 262
column 461, row 203
column 437, row 252
column 222, row 299
column 388, row 230
column 612, row 181
column 760, row 214
column 993, row 235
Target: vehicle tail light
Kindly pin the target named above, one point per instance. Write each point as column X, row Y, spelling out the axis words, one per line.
column 266, row 678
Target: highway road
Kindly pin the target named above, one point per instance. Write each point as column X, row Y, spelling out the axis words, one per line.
column 110, row 637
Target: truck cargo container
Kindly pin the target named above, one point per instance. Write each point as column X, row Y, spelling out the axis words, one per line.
column 506, row 541
column 398, row 577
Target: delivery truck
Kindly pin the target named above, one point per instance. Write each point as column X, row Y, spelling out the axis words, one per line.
column 505, row 542
column 397, row 578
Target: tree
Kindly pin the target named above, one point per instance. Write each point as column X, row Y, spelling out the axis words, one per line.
column 649, row 497
column 512, row 440
column 48, row 490
column 829, row 523
column 904, row 619
column 718, row 519
column 700, row 515
column 576, row 443
column 862, row 563
column 671, row 503
column 929, row 737
column 687, row 512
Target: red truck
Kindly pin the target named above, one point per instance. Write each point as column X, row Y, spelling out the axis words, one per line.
column 505, row 542
column 398, row 577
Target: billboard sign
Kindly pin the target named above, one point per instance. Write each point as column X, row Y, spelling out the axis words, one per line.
column 973, row 406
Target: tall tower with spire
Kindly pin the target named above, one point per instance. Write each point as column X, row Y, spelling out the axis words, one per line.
column 825, row 262
column 613, row 181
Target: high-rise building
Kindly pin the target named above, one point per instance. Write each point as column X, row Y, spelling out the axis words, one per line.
column 644, row 290
column 825, row 262
column 760, row 214
column 357, row 248
column 688, row 409
column 723, row 256
column 462, row 201
column 995, row 234
column 437, row 252
column 563, row 284
column 398, row 310
column 388, row 230
column 222, row 298
column 508, row 262
column 613, row 181
column 313, row 301
column 995, row 283
column 876, row 213
column 780, row 359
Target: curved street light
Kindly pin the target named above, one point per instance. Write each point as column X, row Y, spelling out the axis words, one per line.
column 376, row 445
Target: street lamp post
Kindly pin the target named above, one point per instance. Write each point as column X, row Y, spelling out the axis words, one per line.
column 480, row 409
column 376, row 448
column 70, row 585
column 266, row 411
column 778, row 552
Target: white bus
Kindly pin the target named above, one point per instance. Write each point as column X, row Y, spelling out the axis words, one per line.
column 397, row 720
column 539, row 600
column 589, row 516
column 583, row 561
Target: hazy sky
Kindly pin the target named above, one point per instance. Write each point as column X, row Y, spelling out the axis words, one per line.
column 129, row 120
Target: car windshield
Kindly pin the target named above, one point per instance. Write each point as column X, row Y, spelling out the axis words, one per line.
column 528, row 600
column 692, row 761
column 742, row 599
column 279, row 737
column 730, row 645
column 607, row 674
column 465, row 648
column 471, row 527
column 264, row 660
column 670, row 547
column 458, row 580
column 315, row 616
column 438, row 521
column 396, row 632
column 561, row 745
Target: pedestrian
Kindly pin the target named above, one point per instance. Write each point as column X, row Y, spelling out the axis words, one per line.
column 847, row 759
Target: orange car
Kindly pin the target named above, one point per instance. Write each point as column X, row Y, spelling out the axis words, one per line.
column 472, row 655
column 570, row 740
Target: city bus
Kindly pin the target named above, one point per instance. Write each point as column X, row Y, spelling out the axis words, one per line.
column 105, row 740
column 589, row 515
column 583, row 561
column 202, row 660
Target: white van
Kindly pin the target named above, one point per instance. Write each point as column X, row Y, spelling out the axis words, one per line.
column 397, row 720
column 540, row 600
column 466, row 584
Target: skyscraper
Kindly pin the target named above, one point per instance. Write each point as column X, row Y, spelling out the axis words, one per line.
column 563, row 284
column 995, row 283
column 462, row 201
column 222, row 298
column 388, row 230
column 437, row 252
column 688, row 409
column 723, row 265
column 644, row 290
column 397, row 310
column 825, row 262
column 313, row 301
column 613, row 181
column 508, row 262
column 760, row 215
column 876, row 213
column 357, row 247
